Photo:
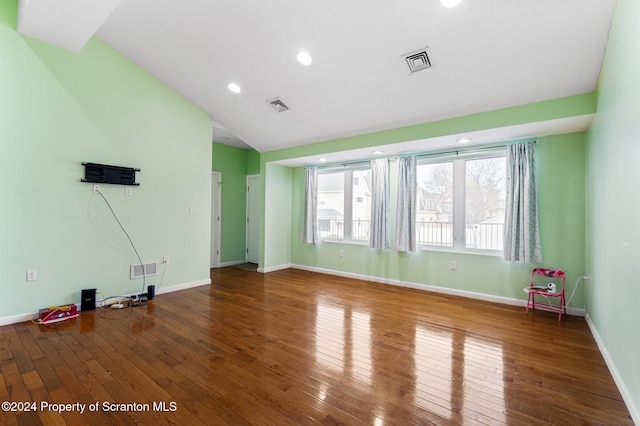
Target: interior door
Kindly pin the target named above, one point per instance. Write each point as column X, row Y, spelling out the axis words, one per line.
column 253, row 218
column 216, row 191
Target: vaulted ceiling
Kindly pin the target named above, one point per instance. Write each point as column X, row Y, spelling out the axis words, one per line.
column 485, row 55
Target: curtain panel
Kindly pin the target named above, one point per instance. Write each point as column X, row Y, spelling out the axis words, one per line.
column 310, row 220
column 521, row 229
column 406, row 208
column 379, row 228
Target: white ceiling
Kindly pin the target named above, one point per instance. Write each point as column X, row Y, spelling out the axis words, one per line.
column 486, row 54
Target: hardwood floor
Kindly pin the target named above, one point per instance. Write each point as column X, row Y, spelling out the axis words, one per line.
column 294, row 347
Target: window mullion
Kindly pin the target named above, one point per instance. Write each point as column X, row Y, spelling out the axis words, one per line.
column 348, row 203
column 458, row 204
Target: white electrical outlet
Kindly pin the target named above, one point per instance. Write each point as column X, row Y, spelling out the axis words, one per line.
column 128, row 190
column 454, row 265
column 341, row 253
column 32, row 274
column 96, row 188
column 165, row 259
column 192, row 210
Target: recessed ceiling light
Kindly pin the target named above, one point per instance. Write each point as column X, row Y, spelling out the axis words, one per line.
column 464, row 140
column 377, row 151
column 304, row 58
column 322, row 160
column 234, row 87
column 449, row 3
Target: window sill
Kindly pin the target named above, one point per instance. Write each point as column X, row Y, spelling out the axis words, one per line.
column 492, row 253
column 353, row 242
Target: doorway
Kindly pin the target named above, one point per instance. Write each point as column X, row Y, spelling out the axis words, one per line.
column 216, row 192
column 253, row 218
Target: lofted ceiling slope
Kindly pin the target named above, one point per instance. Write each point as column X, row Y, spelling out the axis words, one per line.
column 486, row 55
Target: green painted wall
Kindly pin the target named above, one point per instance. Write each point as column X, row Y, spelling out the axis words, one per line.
column 58, row 109
column 277, row 225
column 558, row 159
column 253, row 162
column 232, row 163
column 613, row 203
column 235, row 164
column 403, row 266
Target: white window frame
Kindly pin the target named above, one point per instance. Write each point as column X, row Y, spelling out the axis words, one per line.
column 459, row 198
column 347, row 201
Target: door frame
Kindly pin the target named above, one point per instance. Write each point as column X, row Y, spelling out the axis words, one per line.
column 216, row 218
column 247, row 221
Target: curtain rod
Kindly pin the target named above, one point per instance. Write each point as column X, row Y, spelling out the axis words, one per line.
column 470, row 149
column 430, row 154
column 345, row 164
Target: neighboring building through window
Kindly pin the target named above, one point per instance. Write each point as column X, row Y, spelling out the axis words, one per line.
column 344, row 204
column 461, row 202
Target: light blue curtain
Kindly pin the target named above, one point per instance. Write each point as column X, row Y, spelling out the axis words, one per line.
column 521, row 230
column 378, row 228
column 406, row 207
column 310, row 219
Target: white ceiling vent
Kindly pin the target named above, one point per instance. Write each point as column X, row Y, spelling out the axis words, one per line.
column 418, row 60
column 278, row 105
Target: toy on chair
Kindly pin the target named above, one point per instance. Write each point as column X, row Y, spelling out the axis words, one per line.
column 549, row 290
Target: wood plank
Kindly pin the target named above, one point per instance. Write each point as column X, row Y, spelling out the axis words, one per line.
column 295, row 347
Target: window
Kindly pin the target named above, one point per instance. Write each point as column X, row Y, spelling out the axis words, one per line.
column 461, row 202
column 435, row 196
column 344, row 205
column 484, row 203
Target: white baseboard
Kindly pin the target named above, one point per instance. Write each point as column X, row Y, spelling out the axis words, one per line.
column 184, row 286
column 14, row 319
column 276, row 268
column 617, row 378
column 433, row 288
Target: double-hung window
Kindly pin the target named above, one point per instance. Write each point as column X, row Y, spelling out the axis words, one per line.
column 344, row 204
column 460, row 202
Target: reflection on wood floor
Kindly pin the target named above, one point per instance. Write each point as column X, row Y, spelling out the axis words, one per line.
column 295, row 347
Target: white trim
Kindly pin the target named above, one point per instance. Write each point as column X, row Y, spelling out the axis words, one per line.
column 248, row 217
column 232, row 263
column 617, row 378
column 277, row 268
column 433, row 288
column 216, row 219
column 14, row 319
column 178, row 287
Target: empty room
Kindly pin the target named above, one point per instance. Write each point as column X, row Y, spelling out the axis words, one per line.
column 295, row 212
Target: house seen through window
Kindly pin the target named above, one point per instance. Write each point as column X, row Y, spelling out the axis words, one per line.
column 344, row 204
column 460, row 203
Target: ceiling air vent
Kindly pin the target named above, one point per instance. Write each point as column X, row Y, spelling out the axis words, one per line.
column 418, row 60
column 278, row 105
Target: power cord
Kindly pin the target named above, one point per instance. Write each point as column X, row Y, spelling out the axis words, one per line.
column 573, row 293
column 575, row 287
column 144, row 273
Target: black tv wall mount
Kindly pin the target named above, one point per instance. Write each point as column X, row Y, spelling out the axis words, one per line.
column 102, row 173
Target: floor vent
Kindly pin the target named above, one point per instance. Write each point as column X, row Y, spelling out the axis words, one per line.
column 418, row 60
column 278, row 105
column 146, row 270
